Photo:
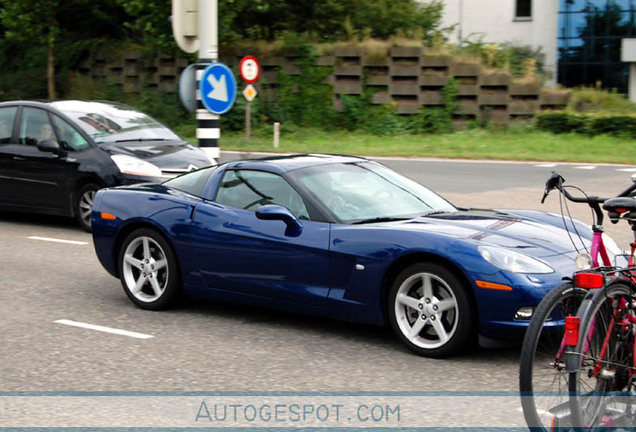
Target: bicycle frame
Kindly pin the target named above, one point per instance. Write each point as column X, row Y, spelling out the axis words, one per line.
column 613, row 368
column 565, row 354
column 598, row 249
column 630, row 318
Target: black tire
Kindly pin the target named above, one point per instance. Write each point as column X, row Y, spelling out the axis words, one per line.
column 604, row 361
column 437, row 323
column 83, row 205
column 543, row 378
column 148, row 270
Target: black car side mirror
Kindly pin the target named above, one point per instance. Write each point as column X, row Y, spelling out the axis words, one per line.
column 277, row 212
column 49, row 146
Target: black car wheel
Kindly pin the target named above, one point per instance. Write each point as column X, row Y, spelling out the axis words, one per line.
column 148, row 270
column 430, row 311
column 84, row 205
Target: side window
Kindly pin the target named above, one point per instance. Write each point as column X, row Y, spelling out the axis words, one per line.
column 192, row 183
column 70, row 138
column 35, row 126
column 7, row 117
column 249, row 190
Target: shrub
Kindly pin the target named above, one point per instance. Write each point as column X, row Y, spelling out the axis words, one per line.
column 597, row 100
column 589, row 124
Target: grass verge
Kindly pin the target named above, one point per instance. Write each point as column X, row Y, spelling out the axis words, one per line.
column 513, row 144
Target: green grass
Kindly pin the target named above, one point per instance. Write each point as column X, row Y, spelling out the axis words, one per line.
column 513, row 144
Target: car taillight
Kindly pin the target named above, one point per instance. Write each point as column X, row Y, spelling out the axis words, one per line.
column 588, row 280
column 572, row 324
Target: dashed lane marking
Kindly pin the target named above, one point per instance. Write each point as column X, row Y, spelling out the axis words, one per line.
column 56, row 240
column 103, row 329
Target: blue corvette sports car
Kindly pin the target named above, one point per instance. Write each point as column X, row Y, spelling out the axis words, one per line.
column 337, row 236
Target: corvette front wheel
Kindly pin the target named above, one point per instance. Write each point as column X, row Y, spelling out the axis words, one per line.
column 148, row 270
column 430, row 311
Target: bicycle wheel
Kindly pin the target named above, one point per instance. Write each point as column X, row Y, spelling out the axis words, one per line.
column 602, row 379
column 543, row 379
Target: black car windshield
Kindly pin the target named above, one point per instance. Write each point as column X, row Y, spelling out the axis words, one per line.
column 109, row 122
column 368, row 192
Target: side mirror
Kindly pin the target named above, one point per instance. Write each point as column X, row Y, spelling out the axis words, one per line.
column 49, row 146
column 276, row 212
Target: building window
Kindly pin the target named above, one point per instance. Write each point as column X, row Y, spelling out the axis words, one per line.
column 524, row 9
column 589, row 42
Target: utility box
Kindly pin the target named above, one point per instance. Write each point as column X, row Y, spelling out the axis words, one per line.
column 185, row 24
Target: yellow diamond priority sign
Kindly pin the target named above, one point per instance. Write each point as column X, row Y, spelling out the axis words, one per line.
column 249, row 92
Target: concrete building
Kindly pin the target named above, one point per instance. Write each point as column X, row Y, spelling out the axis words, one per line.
column 580, row 39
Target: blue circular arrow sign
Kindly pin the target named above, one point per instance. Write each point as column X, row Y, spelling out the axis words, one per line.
column 218, row 88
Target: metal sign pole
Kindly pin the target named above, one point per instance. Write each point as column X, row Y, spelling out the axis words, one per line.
column 248, row 121
column 249, row 70
column 208, row 130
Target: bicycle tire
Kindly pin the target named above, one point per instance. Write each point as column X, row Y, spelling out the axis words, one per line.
column 543, row 379
column 601, row 394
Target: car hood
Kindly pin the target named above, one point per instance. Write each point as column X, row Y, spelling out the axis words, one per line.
column 533, row 233
column 167, row 155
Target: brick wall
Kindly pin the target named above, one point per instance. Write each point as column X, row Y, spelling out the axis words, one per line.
column 408, row 76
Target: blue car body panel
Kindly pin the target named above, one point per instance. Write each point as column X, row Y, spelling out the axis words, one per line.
column 337, row 270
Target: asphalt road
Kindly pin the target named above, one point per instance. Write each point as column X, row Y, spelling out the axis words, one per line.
column 215, row 352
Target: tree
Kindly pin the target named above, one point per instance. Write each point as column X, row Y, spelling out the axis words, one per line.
column 149, row 23
column 34, row 23
column 68, row 26
column 323, row 20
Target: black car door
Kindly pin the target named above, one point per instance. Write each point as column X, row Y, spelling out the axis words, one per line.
column 7, row 182
column 33, row 179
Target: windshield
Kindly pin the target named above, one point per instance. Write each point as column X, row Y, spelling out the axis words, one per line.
column 113, row 122
column 368, row 192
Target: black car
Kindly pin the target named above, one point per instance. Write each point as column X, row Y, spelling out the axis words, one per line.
column 55, row 155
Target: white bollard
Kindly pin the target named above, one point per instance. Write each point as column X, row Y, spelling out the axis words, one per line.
column 276, row 134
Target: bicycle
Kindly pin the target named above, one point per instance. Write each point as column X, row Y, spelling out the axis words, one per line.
column 602, row 364
column 543, row 376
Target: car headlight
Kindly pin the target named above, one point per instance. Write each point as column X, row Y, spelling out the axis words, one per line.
column 513, row 261
column 135, row 166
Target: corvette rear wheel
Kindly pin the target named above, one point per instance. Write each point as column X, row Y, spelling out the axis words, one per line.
column 429, row 310
column 148, row 270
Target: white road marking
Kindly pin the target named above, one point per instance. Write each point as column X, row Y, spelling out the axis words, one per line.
column 57, row 240
column 545, row 165
column 586, row 167
column 627, row 169
column 104, row 329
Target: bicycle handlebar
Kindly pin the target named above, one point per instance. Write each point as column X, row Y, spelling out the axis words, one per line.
column 556, row 182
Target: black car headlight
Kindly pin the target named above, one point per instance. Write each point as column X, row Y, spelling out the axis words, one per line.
column 135, row 166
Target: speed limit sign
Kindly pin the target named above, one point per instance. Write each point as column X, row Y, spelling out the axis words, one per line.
column 249, row 69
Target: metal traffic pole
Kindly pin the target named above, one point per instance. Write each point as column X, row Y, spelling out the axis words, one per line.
column 208, row 130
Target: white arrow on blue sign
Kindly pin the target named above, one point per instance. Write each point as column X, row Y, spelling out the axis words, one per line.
column 218, row 88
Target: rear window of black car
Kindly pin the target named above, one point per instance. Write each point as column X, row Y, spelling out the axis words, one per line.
column 192, row 183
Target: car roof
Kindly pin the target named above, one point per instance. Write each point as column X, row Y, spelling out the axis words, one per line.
column 57, row 103
column 292, row 162
column 40, row 103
